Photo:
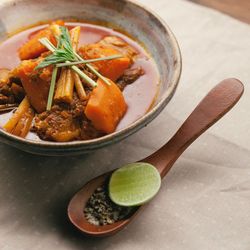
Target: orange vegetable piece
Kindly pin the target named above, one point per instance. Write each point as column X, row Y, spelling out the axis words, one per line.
column 111, row 69
column 33, row 48
column 36, row 86
column 106, row 107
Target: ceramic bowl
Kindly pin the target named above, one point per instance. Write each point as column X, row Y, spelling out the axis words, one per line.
column 140, row 22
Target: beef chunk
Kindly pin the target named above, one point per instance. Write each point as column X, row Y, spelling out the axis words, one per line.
column 129, row 76
column 65, row 123
column 10, row 91
column 57, row 125
column 120, row 45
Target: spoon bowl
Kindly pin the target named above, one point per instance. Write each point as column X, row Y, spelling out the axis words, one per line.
column 215, row 104
column 77, row 205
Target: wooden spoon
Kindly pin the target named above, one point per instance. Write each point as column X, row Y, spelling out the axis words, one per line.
column 217, row 103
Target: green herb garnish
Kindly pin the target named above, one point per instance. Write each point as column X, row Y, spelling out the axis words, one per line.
column 59, row 65
column 52, row 88
column 64, row 55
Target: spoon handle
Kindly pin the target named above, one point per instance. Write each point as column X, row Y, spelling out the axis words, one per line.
column 214, row 105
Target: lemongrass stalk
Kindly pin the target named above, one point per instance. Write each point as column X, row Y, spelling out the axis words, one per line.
column 52, row 48
column 86, row 78
column 52, row 88
column 98, row 74
column 46, row 42
column 60, row 84
column 93, row 70
column 75, row 35
column 59, row 65
column 27, row 123
column 68, row 87
column 79, row 87
column 22, row 108
column 22, row 128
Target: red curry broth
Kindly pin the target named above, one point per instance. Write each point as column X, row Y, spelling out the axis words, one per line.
column 139, row 96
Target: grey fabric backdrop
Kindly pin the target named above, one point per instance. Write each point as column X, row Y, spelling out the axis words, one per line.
column 204, row 202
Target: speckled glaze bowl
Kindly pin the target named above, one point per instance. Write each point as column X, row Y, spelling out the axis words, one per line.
column 140, row 22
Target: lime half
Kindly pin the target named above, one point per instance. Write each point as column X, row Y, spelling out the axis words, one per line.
column 134, row 184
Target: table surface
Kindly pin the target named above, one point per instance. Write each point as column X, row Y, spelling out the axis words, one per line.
column 204, row 201
column 239, row 9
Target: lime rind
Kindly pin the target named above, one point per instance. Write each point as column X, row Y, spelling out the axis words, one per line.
column 134, row 184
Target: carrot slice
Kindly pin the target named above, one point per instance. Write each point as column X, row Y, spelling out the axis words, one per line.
column 106, row 107
column 33, row 48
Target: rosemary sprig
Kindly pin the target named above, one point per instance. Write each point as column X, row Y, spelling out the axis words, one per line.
column 88, row 61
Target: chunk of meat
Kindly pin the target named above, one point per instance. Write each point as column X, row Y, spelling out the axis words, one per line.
column 106, row 107
column 17, row 91
column 119, row 45
column 33, row 48
column 35, row 83
column 65, row 123
column 57, row 125
column 88, row 131
column 10, row 91
column 129, row 76
column 4, row 99
column 109, row 46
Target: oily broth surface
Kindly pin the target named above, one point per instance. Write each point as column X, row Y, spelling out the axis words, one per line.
column 139, row 96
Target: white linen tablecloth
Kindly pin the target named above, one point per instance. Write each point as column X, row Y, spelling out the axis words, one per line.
column 204, row 201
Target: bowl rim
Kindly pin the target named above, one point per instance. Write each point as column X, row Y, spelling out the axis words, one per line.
column 130, row 129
